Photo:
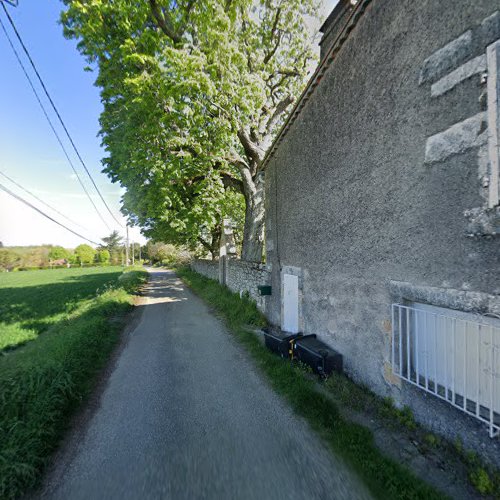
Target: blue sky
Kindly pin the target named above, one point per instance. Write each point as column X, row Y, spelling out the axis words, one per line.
column 29, row 152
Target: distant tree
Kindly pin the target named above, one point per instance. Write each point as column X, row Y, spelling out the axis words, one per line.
column 73, row 258
column 84, row 254
column 113, row 244
column 103, row 256
column 58, row 253
column 36, row 257
column 161, row 252
column 9, row 259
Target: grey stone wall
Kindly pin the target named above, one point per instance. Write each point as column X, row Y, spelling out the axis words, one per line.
column 244, row 277
column 209, row 268
column 241, row 277
column 372, row 183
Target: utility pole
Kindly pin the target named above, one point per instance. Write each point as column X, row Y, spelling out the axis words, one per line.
column 140, row 254
column 127, row 262
column 133, row 253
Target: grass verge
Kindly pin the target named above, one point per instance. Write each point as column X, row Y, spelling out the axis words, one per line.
column 43, row 382
column 482, row 476
column 385, row 478
column 32, row 301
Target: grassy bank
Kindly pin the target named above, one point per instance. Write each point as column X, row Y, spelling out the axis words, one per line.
column 44, row 381
column 385, row 478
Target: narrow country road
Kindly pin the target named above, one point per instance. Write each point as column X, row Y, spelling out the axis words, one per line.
column 185, row 415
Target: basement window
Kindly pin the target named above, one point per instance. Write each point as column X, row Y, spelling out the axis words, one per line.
column 451, row 354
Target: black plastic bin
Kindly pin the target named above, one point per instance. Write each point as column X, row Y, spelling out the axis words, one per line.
column 281, row 342
column 321, row 358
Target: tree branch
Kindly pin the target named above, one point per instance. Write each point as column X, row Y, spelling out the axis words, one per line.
column 205, row 244
column 231, row 182
column 189, row 7
column 163, row 22
column 252, row 150
column 271, row 53
column 246, row 175
column 185, row 148
column 236, row 160
column 289, row 72
column 273, row 119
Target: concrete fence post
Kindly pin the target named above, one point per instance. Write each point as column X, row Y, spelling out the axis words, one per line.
column 227, row 249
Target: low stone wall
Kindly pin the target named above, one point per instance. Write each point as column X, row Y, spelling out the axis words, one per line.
column 244, row 277
column 209, row 268
column 241, row 277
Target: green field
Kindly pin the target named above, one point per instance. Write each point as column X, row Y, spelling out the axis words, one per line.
column 57, row 331
column 31, row 301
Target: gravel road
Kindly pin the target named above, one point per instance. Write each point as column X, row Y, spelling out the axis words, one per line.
column 185, row 415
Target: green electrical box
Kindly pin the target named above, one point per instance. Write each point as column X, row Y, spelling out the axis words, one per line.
column 264, row 289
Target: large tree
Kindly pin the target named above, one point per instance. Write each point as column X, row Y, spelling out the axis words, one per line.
column 193, row 93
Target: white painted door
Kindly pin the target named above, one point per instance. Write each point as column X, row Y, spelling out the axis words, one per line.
column 290, row 318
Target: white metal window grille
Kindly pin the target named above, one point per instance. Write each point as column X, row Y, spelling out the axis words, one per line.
column 452, row 355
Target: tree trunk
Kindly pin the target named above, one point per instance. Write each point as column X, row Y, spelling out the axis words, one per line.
column 253, row 234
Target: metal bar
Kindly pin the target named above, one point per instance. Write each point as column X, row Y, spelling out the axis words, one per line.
column 492, row 376
column 417, row 333
column 426, row 353
column 465, row 367
column 400, row 345
column 495, row 375
column 446, row 386
column 408, row 372
column 393, row 359
column 454, row 353
column 478, row 371
column 435, row 354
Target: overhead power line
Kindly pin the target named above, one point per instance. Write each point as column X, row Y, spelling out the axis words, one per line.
column 57, row 112
column 22, row 200
column 40, row 200
column 51, row 124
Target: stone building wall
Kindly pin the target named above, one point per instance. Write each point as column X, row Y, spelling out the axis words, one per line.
column 380, row 190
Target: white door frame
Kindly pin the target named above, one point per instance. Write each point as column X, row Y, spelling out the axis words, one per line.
column 290, row 303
